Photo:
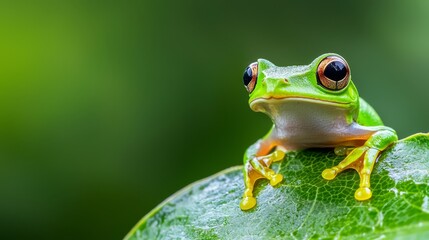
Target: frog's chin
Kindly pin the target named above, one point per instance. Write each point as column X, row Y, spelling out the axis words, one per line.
column 260, row 104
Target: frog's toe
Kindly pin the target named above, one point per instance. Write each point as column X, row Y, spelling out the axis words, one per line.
column 363, row 193
column 275, row 179
column 278, row 155
column 340, row 151
column 247, row 203
column 329, row 173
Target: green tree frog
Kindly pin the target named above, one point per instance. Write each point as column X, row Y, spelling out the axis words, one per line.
column 312, row 106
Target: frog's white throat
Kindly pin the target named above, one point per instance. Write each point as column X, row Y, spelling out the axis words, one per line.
column 303, row 122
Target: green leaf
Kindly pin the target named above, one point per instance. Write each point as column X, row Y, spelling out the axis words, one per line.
column 304, row 205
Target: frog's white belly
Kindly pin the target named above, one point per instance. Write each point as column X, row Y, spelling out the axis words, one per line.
column 302, row 123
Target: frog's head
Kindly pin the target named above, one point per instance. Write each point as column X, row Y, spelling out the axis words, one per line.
column 326, row 80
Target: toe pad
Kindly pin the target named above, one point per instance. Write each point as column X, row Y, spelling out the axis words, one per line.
column 363, row 194
column 276, row 178
column 247, row 203
column 329, row 174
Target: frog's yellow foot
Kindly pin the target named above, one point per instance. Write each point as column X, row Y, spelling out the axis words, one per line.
column 340, row 151
column 274, row 178
column 258, row 168
column 247, row 203
column 277, row 155
column 330, row 173
column 361, row 159
column 363, row 193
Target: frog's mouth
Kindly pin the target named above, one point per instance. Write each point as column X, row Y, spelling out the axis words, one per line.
column 259, row 104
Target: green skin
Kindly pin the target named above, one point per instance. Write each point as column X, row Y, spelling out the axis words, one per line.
column 306, row 114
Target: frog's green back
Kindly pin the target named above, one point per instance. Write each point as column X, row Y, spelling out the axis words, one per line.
column 367, row 115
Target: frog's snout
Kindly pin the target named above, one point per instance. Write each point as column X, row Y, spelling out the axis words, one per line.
column 272, row 85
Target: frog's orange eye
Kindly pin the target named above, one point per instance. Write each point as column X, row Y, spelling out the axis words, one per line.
column 250, row 77
column 333, row 73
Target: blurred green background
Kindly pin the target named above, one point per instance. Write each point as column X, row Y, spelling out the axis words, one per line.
column 109, row 107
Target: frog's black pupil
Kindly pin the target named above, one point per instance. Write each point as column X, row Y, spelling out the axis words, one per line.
column 335, row 70
column 247, row 77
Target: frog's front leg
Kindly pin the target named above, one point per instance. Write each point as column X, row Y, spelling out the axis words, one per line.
column 362, row 159
column 257, row 161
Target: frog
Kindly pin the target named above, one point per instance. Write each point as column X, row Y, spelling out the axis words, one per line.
column 312, row 106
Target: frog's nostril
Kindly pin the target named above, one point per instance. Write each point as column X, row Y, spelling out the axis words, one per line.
column 286, row 81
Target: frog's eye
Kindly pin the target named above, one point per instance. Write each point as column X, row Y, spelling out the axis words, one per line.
column 250, row 77
column 333, row 73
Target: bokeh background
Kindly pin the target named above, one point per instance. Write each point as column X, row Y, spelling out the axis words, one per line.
column 109, row 107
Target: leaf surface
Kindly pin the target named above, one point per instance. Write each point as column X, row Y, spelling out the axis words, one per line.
column 304, row 205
